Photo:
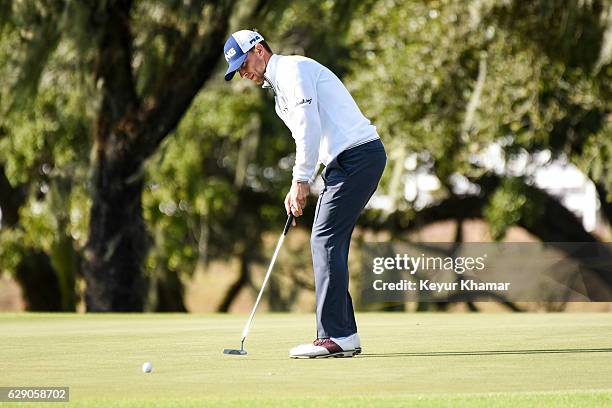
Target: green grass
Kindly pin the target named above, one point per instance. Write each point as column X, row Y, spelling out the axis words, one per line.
column 421, row 360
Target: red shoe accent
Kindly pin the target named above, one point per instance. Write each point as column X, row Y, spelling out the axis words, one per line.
column 329, row 345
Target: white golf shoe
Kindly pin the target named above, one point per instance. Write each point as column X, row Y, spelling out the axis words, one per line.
column 328, row 347
column 346, row 341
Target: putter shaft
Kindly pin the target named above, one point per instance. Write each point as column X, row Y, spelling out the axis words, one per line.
column 247, row 326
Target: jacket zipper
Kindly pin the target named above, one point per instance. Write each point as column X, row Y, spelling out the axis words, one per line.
column 276, row 96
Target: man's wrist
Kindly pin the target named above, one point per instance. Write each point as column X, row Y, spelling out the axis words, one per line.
column 301, row 182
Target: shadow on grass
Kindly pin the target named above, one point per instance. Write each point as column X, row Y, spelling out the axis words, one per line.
column 488, row 352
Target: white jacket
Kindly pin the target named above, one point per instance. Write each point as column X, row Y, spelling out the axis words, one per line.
column 322, row 116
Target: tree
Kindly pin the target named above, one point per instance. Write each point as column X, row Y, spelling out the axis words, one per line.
column 137, row 50
column 148, row 61
column 450, row 81
column 133, row 119
column 43, row 156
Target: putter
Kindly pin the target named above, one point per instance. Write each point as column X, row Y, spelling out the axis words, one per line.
column 247, row 326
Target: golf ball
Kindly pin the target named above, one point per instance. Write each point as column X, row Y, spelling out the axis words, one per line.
column 147, row 367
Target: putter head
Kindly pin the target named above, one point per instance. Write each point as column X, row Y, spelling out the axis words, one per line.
column 235, row 352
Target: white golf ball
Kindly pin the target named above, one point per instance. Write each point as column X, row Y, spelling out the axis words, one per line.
column 147, row 367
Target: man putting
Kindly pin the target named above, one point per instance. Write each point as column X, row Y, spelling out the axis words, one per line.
column 328, row 128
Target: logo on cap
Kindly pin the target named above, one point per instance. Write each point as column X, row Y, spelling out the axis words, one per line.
column 229, row 54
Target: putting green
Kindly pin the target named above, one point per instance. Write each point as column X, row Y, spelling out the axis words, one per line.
column 417, row 359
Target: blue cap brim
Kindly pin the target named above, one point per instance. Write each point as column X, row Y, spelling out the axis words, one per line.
column 234, row 66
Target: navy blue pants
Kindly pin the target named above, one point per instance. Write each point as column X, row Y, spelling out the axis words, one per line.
column 350, row 180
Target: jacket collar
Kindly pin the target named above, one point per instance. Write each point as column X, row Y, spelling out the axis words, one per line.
column 270, row 74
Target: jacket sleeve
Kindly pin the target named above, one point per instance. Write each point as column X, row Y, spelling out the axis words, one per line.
column 306, row 128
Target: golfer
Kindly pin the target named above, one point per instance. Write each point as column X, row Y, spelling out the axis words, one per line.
column 328, row 128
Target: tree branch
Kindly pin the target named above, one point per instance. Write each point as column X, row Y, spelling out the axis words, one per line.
column 114, row 72
column 195, row 61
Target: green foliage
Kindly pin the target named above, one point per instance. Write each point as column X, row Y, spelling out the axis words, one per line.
column 191, row 185
column 512, row 204
column 442, row 80
column 52, row 136
column 596, row 158
column 446, row 80
column 11, row 249
column 417, row 65
column 44, row 147
column 230, row 142
column 569, row 32
column 158, row 28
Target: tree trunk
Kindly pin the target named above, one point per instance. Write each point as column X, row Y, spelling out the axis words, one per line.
column 170, row 293
column 118, row 241
column 129, row 129
column 39, row 283
column 236, row 287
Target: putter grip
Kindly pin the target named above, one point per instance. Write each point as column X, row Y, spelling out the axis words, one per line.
column 288, row 224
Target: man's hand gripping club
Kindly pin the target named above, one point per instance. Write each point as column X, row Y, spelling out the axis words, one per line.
column 296, row 198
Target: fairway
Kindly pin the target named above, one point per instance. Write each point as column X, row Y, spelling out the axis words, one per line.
column 417, row 359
